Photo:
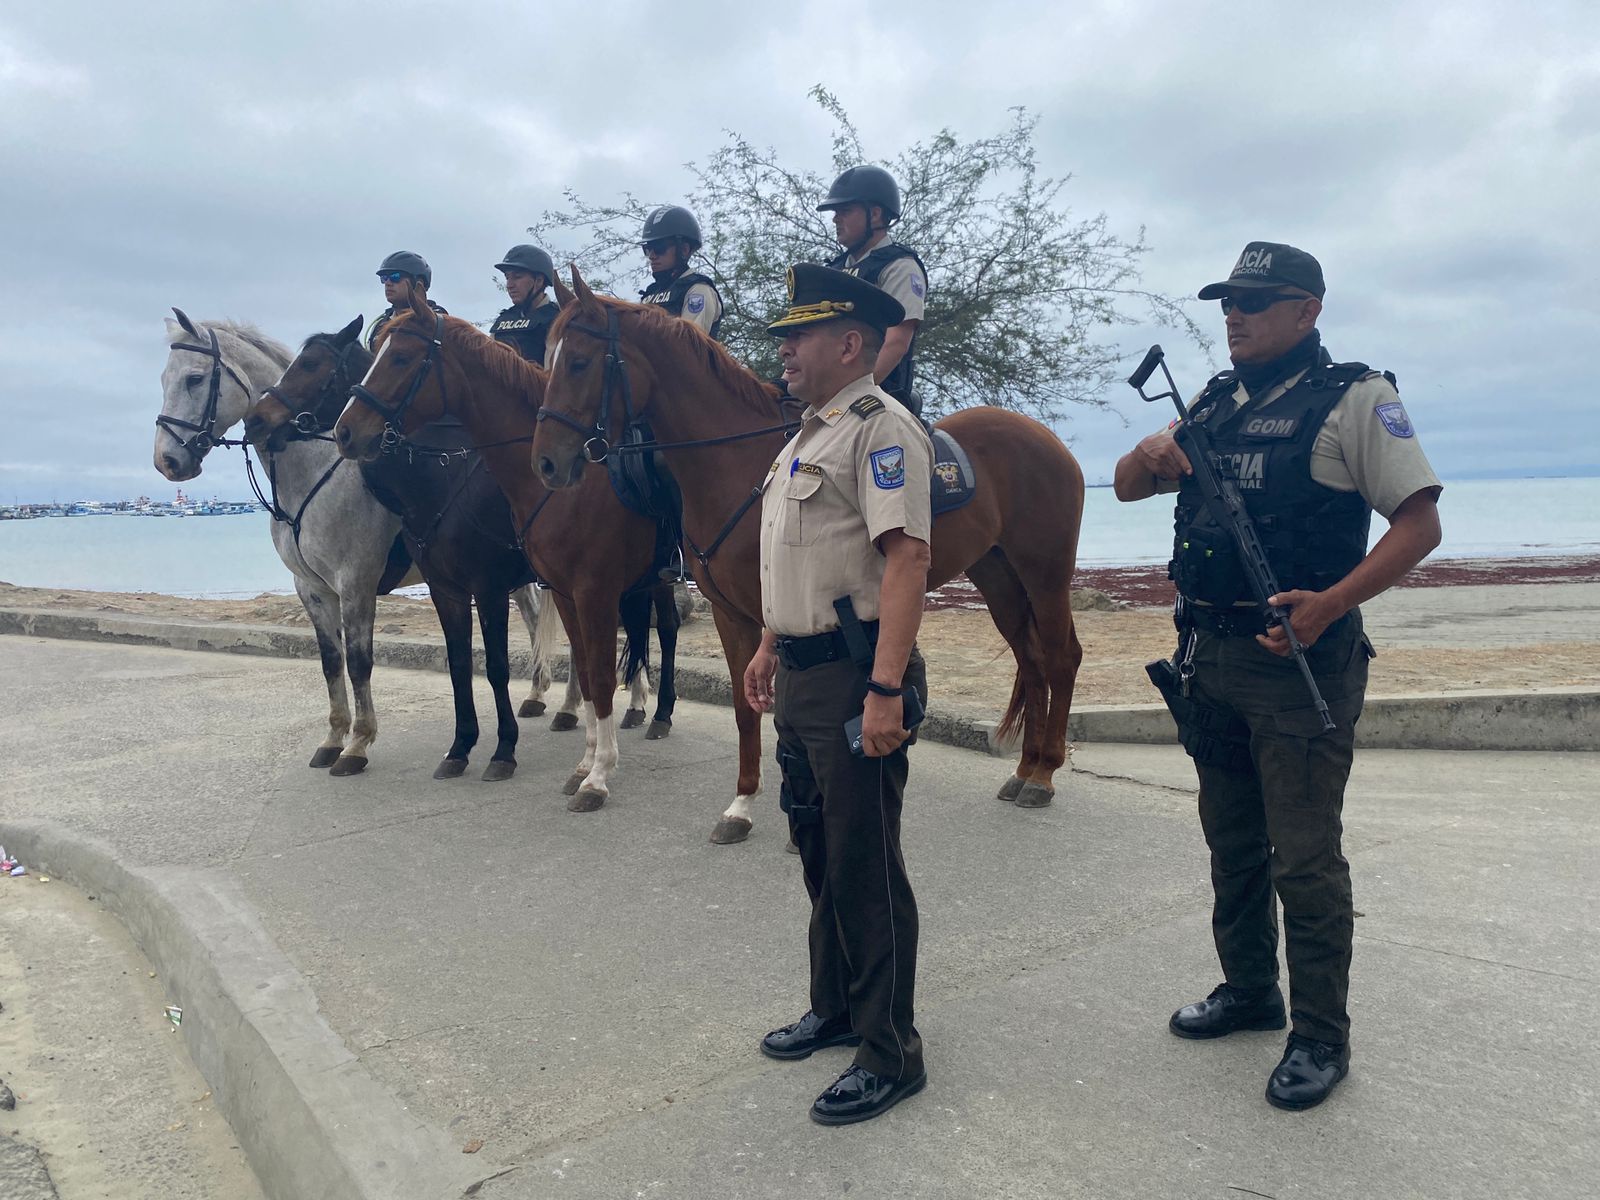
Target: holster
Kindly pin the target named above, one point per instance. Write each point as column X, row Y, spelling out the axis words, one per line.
column 1208, row 735
column 798, row 795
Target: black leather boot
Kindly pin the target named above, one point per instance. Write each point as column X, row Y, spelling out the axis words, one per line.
column 1308, row 1072
column 1229, row 1009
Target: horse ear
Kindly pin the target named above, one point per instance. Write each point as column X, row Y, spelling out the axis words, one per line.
column 188, row 325
column 419, row 302
column 350, row 332
column 563, row 292
column 580, row 289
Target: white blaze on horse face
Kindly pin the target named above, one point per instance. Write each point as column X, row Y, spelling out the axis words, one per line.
column 376, row 359
column 556, row 357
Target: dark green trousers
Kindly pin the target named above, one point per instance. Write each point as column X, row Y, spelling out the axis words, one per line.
column 863, row 933
column 1276, row 827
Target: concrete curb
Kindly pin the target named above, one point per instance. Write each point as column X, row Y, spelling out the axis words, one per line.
column 309, row 1118
column 1547, row 719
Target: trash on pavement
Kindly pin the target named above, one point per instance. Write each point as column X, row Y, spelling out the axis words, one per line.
column 174, row 1014
column 472, row 1146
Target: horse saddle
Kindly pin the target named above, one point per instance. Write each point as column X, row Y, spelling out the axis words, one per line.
column 953, row 481
column 644, row 485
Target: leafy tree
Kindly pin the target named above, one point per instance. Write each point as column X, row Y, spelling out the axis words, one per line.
column 1022, row 295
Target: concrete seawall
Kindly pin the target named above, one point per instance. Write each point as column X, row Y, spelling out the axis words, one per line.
column 1547, row 719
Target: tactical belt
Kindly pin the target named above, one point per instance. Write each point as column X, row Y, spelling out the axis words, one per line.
column 1224, row 622
column 803, row 653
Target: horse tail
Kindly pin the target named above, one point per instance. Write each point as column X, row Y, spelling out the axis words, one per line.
column 635, row 611
column 547, row 621
column 1017, row 710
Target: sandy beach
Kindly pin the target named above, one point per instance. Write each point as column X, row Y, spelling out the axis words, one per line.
column 1508, row 624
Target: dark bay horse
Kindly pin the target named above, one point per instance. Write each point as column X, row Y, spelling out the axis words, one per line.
column 597, row 557
column 1016, row 539
column 457, row 527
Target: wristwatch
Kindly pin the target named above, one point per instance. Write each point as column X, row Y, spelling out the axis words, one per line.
column 874, row 686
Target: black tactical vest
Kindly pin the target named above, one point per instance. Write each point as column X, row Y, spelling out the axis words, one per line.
column 1313, row 535
column 870, row 268
column 524, row 331
column 386, row 316
column 670, row 294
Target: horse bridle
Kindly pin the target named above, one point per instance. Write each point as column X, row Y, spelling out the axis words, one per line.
column 204, row 433
column 597, row 444
column 394, row 415
column 336, row 386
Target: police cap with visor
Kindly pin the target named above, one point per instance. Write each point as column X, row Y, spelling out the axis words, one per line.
column 818, row 294
column 1269, row 265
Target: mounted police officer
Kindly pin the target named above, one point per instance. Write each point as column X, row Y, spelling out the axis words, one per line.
column 523, row 326
column 669, row 239
column 401, row 272
column 845, row 522
column 865, row 202
column 1314, row 447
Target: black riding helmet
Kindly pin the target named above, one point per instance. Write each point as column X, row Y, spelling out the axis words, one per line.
column 865, row 185
column 410, row 263
column 671, row 221
column 528, row 258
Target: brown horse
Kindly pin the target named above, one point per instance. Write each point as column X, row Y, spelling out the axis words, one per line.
column 591, row 550
column 1016, row 539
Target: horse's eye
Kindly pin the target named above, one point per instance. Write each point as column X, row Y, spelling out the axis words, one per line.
column 194, row 381
column 578, row 364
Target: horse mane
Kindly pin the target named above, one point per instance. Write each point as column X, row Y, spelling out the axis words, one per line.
column 499, row 361
column 695, row 346
column 245, row 332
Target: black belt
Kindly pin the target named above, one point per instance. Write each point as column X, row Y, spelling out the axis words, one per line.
column 803, row 653
column 1242, row 622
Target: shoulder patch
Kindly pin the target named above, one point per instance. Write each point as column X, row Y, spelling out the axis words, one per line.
column 696, row 303
column 889, row 467
column 866, row 407
column 1394, row 418
column 918, row 288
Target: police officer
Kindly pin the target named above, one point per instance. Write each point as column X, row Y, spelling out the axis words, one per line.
column 1314, row 446
column 669, row 239
column 523, row 326
column 401, row 272
column 865, row 202
column 845, row 523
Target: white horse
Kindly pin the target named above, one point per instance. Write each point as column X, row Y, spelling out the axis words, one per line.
column 337, row 540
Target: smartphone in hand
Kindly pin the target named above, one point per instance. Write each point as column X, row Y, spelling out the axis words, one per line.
column 911, row 700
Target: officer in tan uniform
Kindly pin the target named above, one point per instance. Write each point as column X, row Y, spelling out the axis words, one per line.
column 845, row 523
column 1314, row 447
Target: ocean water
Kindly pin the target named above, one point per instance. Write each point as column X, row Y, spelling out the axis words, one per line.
column 233, row 556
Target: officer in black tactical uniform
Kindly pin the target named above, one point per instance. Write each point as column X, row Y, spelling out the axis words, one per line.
column 401, row 272
column 523, row 326
column 670, row 237
column 1314, row 447
column 865, row 202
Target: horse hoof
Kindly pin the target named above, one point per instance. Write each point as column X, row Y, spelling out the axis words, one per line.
column 1009, row 789
column 348, row 764
column 450, row 768
column 633, row 718
column 1034, row 796
column 657, row 731
column 325, row 756
column 573, row 783
column 730, row 831
column 588, row 800
column 499, row 769
column 564, row 721
column 790, row 847
column 531, row 708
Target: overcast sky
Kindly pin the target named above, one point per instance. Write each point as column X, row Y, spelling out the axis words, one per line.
column 258, row 160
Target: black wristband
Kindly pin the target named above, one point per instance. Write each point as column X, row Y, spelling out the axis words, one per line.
column 874, row 686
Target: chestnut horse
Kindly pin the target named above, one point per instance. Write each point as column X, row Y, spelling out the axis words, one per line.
column 591, row 551
column 1016, row 539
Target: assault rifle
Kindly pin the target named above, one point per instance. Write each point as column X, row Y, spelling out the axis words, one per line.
column 1222, row 497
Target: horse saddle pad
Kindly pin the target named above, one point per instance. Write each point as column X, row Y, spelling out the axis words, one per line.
column 953, row 482
column 642, row 481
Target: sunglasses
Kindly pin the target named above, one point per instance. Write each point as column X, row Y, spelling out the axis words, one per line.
column 392, row 276
column 659, row 246
column 1252, row 303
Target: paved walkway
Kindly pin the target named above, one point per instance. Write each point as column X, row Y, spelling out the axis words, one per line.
column 583, row 993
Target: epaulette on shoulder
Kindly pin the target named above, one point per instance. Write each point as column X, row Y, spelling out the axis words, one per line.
column 867, row 406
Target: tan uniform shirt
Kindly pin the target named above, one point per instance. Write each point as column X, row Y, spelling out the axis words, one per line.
column 902, row 279
column 701, row 307
column 840, row 484
column 1366, row 445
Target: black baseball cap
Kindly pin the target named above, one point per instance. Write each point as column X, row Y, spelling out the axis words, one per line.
column 1270, row 265
column 824, row 294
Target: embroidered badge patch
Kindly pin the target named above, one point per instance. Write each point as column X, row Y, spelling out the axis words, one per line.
column 889, row 467
column 949, row 474
column 1394, row 418
column 696, row 303
column 918, row 288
